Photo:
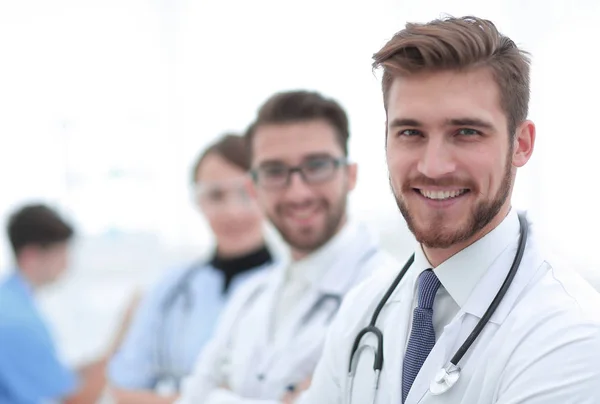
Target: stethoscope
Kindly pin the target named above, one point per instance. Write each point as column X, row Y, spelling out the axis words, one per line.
column 323, row 298
column 319, row 305
column 330, row 301
column 169, row 377
column 446, row 377
column 336, row 299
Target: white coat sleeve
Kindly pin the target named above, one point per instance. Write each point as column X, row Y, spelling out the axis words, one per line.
column 557, row 365
column 211, row 369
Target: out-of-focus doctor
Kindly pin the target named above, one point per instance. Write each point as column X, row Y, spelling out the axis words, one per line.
column 177, row 317
column 31, row 368
column 270, row 337
column 456, row 94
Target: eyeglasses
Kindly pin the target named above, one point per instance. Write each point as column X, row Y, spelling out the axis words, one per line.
column 312, row 171
column 221, row 194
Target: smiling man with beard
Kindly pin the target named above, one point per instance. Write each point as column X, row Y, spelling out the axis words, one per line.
column 478, row 314
column 271, row 334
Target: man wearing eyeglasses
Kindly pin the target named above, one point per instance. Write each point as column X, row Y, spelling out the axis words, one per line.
column 271, row 334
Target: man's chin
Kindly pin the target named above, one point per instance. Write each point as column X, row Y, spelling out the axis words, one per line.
column 438, row 241
column 305, row 245
column 439, row 235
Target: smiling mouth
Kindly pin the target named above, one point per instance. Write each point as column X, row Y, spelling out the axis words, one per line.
column 441, row 195
column 304, row 213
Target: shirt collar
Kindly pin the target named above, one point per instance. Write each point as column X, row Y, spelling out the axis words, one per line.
column 311, row 268
column 460, row 273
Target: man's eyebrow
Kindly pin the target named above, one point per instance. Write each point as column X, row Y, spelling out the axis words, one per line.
column 466, row 121
column 405, row 122
column 306, row 157
column 474, row 122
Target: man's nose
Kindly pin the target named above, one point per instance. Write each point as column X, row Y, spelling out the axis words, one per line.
column 437, row 158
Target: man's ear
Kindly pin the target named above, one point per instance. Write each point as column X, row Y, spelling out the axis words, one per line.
column 523, row 144
column 352, row 176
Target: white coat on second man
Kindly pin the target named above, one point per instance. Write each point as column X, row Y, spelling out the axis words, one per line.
column 253, row 359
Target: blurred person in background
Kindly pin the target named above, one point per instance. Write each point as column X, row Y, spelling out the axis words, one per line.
column 270, row 336
column 178, row 315
column 31, row 370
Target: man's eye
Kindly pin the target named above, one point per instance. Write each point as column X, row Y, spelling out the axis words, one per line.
column 409, row 132
column 274, row 171
column 468, row 132
column 318, row 165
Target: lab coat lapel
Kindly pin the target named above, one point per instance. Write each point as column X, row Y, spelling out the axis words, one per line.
column 395, row 335
column 265, row 333
column 336, row 281
column 394, row 342
column 350, row 267
column 439, row 356
column 260, row 352
column 294, row 324
column 271, row 295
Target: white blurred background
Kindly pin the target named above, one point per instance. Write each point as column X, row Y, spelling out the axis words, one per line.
column 104, row 104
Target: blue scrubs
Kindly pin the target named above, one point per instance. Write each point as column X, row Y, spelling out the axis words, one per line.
column 163, row 342
column 30, row 369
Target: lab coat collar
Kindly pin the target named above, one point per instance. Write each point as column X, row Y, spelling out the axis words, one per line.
column 531, row 263
column 462, row 272
column 316, row 269
column 350, row 262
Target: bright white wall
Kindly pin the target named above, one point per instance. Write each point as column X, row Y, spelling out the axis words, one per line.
column 104, row 105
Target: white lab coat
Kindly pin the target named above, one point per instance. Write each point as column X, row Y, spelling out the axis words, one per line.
column 542, row 345
column 260, row 370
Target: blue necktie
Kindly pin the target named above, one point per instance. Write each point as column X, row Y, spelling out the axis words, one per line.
column 422, row 335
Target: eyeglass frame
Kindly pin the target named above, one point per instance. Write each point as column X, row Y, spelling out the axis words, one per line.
column 290, row 170
column 235, row 185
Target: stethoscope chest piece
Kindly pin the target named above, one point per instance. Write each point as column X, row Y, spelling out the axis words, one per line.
column 444, row 379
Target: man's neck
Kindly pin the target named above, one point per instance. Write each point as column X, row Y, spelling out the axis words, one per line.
column 436, row 256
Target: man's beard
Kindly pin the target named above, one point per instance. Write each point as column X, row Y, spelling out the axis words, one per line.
column 309, row 240
column 436, row 236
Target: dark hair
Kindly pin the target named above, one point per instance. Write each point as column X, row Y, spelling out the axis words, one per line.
column 301, row 106
column 458, row 44
column 230, row 147
column 37, row 225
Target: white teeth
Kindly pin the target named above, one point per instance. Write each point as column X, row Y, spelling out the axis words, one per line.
column 441, row 195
